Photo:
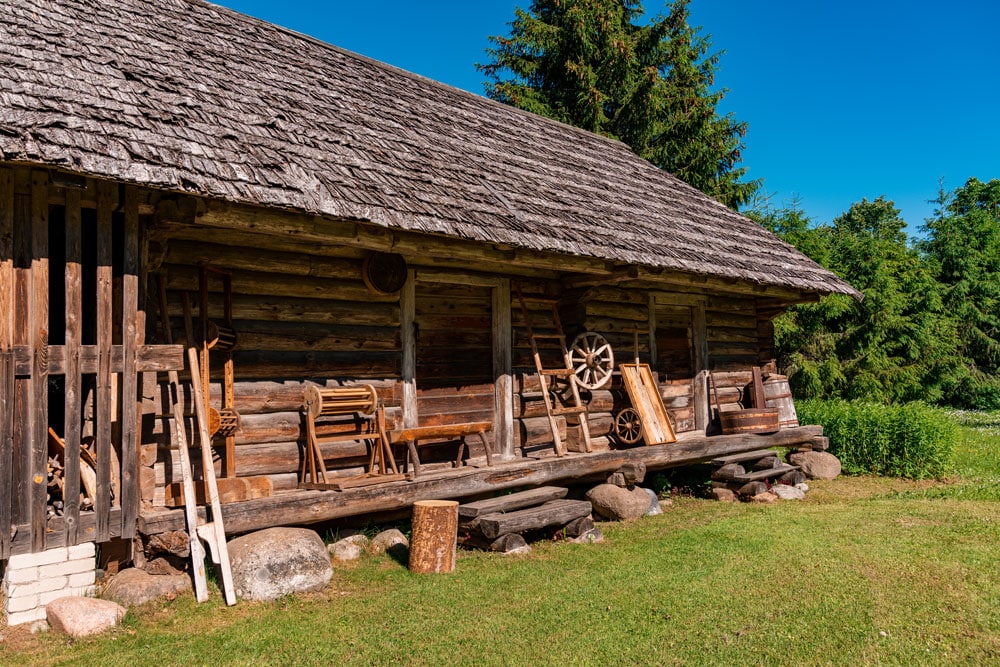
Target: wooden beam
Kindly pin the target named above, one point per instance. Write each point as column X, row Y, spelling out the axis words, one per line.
column 149, row 358
column 72, row 433
column 107, row 200
column 699, row 335
column 39, row 333
column 408, row 341
column 131, row 335
column 6, row 357
column 303, row 507
column 23, row 394
column 503, row 381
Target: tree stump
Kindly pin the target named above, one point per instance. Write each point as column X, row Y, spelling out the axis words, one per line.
column 435, row 536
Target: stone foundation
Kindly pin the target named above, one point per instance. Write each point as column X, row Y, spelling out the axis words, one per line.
column 31, row 581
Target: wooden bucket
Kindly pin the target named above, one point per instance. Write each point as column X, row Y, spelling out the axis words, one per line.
column 777, row 394
column 752, row 420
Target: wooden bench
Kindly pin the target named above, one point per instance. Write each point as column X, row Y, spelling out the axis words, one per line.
column 412, row 437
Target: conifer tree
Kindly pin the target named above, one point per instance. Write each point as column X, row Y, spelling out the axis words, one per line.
column 595, row 65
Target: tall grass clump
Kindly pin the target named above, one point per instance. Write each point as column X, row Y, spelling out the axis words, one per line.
column 912, row 440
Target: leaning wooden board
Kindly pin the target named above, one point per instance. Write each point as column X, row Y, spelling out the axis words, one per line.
column 645, row 397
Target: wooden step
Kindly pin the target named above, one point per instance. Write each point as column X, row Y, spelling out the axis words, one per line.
column 552, row 513
column 511, row 501
column 764, row 474
column 744, row 456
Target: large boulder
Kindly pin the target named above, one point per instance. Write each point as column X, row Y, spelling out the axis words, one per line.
column 133, row 587
column 82, row 617
column 654, row 503
column 618, row 504
column 816, row 465
column 272, row 563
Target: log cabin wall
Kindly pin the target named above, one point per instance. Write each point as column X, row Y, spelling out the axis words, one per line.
column 302, row 315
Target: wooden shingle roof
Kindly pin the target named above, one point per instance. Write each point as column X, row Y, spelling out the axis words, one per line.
column 192, row 97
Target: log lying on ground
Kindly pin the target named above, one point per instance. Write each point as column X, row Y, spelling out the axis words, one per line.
column 552, row 513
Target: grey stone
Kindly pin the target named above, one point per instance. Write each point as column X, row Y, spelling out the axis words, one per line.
column 816, row 465
column 618, row 504
column 272, row 563
column 165, row 565
column 803, row 487
column 592, row 536
column 349, row 548
column 654, row 503
column 786, row 492
column 766, row 497
column 618, row 479
column 724, row 494
column 391, row 541
column 133, row 587
column 83, row 617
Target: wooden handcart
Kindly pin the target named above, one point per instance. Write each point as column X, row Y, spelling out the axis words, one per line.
column 647, row 419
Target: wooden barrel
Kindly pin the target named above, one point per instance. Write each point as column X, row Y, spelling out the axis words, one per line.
column 777, row 394
column 752, row 420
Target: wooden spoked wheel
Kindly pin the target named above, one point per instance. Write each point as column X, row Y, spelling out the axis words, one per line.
column 628, row 426
column 592, row 359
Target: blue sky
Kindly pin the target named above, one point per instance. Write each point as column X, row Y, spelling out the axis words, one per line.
column 844, row 99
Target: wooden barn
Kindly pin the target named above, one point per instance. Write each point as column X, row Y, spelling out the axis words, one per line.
column 377, row 275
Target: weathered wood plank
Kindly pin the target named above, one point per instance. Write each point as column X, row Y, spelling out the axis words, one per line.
column 72, row 433
column 511, row 502
column 6, row 357
column 408, row 335
column 23, row 394
column 148, row 358
column 106, row 203
column 39, row 332
column 131, row 338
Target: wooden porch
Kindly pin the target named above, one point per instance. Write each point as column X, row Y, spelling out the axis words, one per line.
column 305, row 507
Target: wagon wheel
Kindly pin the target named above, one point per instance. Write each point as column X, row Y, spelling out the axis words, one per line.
column 592, row 360
column 628, row 426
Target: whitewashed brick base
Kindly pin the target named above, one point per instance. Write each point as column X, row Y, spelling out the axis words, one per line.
column 31, row 581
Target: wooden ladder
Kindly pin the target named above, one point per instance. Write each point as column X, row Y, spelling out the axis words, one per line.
column 566, row 373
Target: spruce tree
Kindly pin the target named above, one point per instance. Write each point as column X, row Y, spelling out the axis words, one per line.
column 593, row 64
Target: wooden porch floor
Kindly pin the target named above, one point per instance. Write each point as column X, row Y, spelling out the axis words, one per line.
column 305, row 507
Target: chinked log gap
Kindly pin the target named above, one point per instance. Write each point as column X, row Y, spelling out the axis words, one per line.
column 304, row 507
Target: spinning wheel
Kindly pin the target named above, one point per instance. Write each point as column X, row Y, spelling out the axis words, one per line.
column 592, row 360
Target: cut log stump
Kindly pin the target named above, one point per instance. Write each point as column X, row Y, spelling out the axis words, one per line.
column 435, row 536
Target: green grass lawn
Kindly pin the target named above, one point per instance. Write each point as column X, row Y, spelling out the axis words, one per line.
column 865, row 571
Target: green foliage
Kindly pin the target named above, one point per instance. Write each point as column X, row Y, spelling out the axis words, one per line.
column 590, row 64
column 912, row 440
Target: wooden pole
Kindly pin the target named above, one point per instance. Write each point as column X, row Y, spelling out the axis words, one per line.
column 435, row 536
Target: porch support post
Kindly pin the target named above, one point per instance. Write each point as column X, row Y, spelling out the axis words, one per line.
column 503, row 407
column 408, row 340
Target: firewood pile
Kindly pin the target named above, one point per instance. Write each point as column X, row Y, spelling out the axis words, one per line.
column 56, row 471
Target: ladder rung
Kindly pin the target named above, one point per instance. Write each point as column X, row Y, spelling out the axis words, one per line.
column 564, row 372
column 550, row 336
column 546, row 300
column 571, row 410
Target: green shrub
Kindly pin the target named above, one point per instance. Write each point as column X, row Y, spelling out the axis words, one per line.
column 912, row 440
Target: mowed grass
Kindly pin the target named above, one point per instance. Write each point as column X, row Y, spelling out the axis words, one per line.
column 865, row 571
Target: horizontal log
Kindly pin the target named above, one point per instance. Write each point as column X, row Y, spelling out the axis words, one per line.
column 289, row 309
column 304, row 507
column 199, row 245
column 253, row 397
column 261, row 284
column 552, row 513
column 261, row 335
column 511, row 501
column 618, row 311
column 531, row 404
column 535, row 431
column 148, row 358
